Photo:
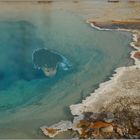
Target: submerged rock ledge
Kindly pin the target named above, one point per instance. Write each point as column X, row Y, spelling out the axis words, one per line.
column 113, row 110
column 49, row 61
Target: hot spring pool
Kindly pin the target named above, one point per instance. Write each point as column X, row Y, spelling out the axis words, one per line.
column 28, row 98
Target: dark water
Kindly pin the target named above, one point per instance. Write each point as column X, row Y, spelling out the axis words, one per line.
column 29, row 99
column 46, row 58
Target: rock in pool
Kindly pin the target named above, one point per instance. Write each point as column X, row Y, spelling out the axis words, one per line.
column 49, row 61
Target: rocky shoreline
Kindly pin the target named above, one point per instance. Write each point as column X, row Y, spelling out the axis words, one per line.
column 112, row 111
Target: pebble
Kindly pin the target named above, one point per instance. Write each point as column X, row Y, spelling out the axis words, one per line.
column 108, row 120
column 107, row 129
column 109, row 117
column 119, row 131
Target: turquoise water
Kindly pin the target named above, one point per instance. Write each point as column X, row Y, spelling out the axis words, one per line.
column 29, row 99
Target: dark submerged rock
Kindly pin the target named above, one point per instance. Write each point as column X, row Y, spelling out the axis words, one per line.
column 47, row 60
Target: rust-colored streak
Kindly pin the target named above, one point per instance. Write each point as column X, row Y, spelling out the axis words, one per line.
column 51, row 131
column 137, row 55
column 99, row 124
column 114, row 24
